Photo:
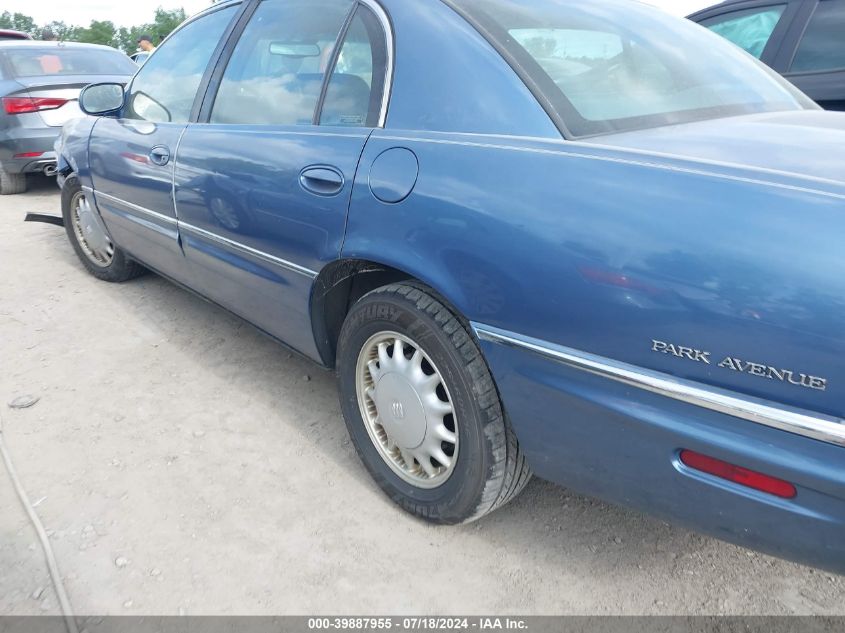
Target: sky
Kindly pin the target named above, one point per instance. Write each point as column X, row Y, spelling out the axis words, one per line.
column 132, row 12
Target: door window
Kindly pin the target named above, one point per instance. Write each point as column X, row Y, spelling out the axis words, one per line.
column 275, row 75
column 165, row 88
column 823, row 45
column 356, row 88
column 750, row 29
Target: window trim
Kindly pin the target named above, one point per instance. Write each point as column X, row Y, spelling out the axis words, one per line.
column 799, row 41
column 390, row 50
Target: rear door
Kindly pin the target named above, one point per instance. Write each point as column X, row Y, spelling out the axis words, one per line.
column 131, row 156
column 262, row 185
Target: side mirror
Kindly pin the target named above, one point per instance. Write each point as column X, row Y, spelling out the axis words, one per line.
column 100, row 99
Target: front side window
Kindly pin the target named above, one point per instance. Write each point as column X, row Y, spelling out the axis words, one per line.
column 617, row 65
column 751, row 30
column 276, row 72
column 166, row 86
column 823, row 45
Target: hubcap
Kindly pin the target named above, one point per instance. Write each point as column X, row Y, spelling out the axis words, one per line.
column 89, row 232
column 407, row 409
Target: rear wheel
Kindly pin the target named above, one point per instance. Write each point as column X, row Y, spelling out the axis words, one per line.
column 93, row 246
column 422, row 408
column 11, row 184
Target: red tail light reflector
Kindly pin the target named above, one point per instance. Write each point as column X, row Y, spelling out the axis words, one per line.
column 22, row 105
column 29, row 155
column 739, row 475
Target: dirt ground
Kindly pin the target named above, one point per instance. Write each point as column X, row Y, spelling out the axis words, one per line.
column 183, row 463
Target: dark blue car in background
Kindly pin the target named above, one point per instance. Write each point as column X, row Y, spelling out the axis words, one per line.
column 585, row 240
column 804, row 40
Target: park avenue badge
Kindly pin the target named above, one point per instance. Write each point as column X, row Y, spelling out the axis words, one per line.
column 733, row 363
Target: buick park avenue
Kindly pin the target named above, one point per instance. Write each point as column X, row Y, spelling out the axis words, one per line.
column 583, row 240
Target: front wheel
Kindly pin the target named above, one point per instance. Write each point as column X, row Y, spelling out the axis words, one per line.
column 422, row 409
column 89, row 238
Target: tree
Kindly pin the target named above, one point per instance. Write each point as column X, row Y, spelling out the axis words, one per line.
column 127, row 39
column 64, row 32
column 165, row 23
column 100, row 32
column 19, row 22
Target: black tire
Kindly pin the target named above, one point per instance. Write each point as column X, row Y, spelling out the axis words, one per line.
column 11, row 184
column 121, row 268
column 490, row 469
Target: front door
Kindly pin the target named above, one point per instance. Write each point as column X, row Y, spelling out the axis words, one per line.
column 132, row 154
column 262, row 188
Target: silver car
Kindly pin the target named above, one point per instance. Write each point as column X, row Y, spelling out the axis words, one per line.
column 140, row 57
column 39, row 90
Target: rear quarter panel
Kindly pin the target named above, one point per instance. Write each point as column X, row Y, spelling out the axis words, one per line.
column 606, row 250
column 603, row 250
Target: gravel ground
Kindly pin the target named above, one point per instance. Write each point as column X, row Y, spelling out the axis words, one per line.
column 183, row 463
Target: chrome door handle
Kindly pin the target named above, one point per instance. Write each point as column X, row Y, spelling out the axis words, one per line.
column 160, row 155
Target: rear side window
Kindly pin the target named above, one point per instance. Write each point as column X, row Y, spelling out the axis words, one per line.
column 823, row 45
column 619, row 66
column 356, row 88
column 165, row 88
column 276, row 72
column 58, row 60
column 751, row 29
column 566, row 52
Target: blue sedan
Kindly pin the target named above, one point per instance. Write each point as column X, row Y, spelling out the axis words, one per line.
column 584, row 240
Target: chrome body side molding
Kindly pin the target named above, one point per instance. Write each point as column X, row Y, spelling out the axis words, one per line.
column 248, row 250
column 219, row 239
column 792, row 420
column 99, row 195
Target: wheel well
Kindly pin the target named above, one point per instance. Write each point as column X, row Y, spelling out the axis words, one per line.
column 336, row 290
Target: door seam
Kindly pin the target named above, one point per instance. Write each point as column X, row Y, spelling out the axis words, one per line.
column 352, row 193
